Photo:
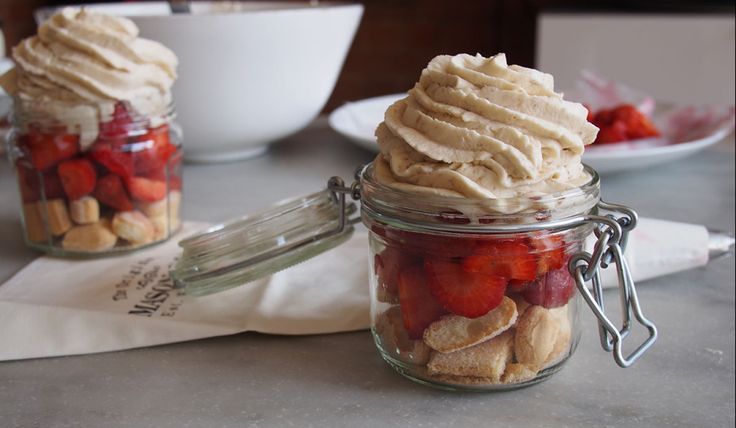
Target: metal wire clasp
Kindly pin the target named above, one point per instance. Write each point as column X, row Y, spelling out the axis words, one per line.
column 612, row 233
column 336, row 186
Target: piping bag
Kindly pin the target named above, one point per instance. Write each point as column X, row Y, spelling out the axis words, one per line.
column 660, row 247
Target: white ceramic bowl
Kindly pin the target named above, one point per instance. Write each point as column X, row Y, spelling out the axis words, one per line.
column 250, row 75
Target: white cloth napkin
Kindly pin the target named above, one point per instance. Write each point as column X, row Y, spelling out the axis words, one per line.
column 64, row 307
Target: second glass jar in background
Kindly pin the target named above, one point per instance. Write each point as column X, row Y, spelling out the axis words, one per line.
column 104, row 179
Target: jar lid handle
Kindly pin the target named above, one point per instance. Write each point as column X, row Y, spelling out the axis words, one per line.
column 612, row 233
column 246, row 249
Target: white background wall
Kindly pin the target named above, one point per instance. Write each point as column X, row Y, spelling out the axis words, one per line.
column 680, row 58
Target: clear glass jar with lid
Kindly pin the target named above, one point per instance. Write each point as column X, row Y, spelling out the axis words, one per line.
column 466, row 294
column 96, row 179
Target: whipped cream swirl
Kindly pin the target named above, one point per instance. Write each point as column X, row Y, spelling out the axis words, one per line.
column 477, row 127
column 81, row 62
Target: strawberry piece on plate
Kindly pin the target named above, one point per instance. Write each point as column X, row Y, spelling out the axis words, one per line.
column 78, row 177
column 418, row 308
column 551, row 290
column 508, row 258
column 550, row 251
column 613, row 133
column 464, row 293
column 146, row 190
column 48, row 149
column 111, row 192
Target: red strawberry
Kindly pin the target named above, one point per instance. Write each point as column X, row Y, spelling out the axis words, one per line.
column 52, row 186
column 389, row 263
column 48, row 149
column 551, row 290
column 109, row 154
column 464, row 293
column 110, row 191
column 612, row 133
column 418, row 307
column 433, row 245
column 550, row 251
column 175, row 183
column 119, row 125
column 146, row 190
column 511, row 259
column 518, row 285
column 28, row 183
column 78, row 177
column 152, row 151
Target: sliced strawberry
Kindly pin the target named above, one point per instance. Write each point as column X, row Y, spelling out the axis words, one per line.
column 119, row 125
column 146, row 190
column 550, row 251
column 508, row 258
column 175, row 183
column 29, row 183
column 518, row 285
column 110, row 154
column 432, row 245
column 389, row 263
column 52, row 186
column 78, row 177
column 418, row 308
column 111, row 192
column 48, row 149
column 551, row 290
column 612, row 133
column 464, row 293
column 152, row 150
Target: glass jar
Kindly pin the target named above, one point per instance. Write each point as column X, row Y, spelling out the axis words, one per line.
column 95, row 179
column 466, row 294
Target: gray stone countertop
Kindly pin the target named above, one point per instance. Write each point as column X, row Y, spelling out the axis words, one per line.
column 338, row 380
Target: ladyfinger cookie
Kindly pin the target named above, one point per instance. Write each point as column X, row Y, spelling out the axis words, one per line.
column 485, row 360
column 133, row 226
column 453, row 332
column 85, row 210
column 536, row 334
column 89, row 237
column 57, row 216
column 35, row 228
column 395, row 339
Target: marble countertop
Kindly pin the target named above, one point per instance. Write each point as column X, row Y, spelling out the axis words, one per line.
column 337, row 380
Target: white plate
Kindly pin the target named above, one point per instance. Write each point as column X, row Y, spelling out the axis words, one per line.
column 358, row 120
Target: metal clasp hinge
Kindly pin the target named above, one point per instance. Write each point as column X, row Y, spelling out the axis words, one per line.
column 612, row 233
column 337, row 188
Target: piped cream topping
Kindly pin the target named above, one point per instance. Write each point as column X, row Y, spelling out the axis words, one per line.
column 79, row 58
column 479, row 128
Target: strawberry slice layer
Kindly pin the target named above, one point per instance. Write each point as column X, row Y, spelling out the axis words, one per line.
column 551, row 290
column 146, row 190
column 78, row 177
column 388, row 264
column 48, row 149
column 418, row 308
column 468, row 294
column 109, row 153
column 511, row 259
column 111, row 192
column 550, row 251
